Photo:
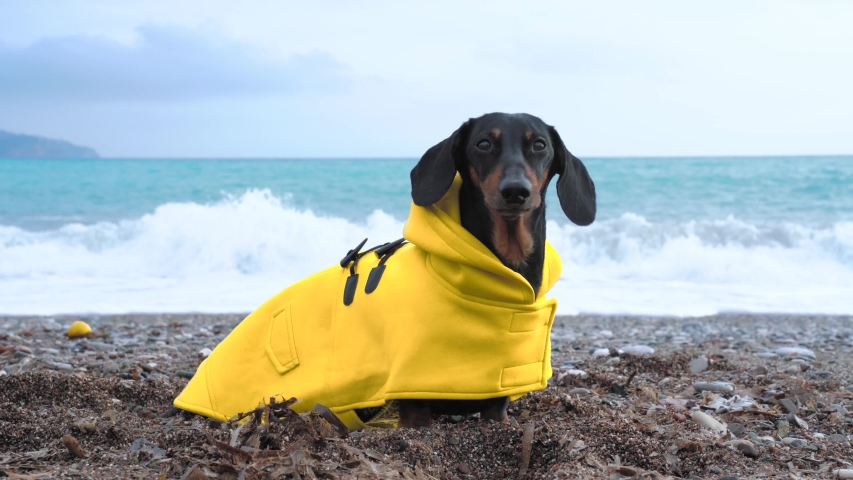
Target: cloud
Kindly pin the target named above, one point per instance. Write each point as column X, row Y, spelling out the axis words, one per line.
column 165, row 64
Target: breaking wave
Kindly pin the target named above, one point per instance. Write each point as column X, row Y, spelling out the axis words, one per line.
column 233, row 254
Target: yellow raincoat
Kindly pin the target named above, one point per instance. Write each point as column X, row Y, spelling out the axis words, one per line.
column 447, row 321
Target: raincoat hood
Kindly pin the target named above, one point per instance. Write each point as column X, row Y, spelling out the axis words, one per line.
column 464, row 260
column 438, row 318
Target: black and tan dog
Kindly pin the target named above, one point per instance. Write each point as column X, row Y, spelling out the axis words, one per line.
column 460, row 322
column 506, row 162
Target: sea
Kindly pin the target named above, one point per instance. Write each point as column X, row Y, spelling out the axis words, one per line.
column 673, row 236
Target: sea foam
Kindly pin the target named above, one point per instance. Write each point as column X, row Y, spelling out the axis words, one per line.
column 233, row 254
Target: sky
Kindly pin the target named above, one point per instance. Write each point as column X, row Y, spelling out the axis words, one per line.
column 390, row 79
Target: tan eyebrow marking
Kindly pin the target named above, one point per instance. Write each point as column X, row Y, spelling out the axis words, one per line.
column 496, row 132
column 528, row 134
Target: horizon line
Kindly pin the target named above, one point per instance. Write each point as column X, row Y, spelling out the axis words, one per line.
column 405, row 158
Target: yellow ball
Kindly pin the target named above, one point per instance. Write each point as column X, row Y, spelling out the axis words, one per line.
column 79, row 329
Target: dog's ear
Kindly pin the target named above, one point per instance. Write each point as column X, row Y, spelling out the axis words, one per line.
column 575, row 188
column 434, row 173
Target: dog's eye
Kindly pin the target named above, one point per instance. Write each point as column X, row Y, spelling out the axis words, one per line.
column 539, row 145
column 483, row 144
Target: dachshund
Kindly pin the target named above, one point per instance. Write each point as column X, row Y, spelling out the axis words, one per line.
column 506, row 162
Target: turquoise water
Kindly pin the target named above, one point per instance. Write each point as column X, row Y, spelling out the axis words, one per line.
column 678, row 236
column 45, row 194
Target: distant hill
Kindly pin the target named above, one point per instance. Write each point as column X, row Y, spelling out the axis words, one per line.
column 13, row 145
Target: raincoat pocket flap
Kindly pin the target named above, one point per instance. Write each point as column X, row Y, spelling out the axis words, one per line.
column 529, row 321
column 521, row 375
column 281, row 347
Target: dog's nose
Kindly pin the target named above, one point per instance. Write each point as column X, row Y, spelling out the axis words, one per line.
column 515, row 191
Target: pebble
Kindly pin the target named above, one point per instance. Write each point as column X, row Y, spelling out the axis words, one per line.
column 737, row 429
column 601, row 352
column 821, row 373
column 577, row 373
column 580, row 392
column 604, row 334
column 101, row 345
column 797, row 421
column 794, row 442
column 65, row 367
column 788, row 405
column 453, row 441
column 185, row 374
column 795, row 352
column 205, row 352
column 464, row 468
column 746, row 447
column 759, row 370
column 699, row 364
column 838, row 438
column 638, row 350
column 708, row 422
column 837, row 408
column 722, row 387
column 844, row 473
column 766, row 355
column 145, row 444
column 783, row 428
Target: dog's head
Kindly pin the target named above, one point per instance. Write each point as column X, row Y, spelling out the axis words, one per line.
column 511, row 159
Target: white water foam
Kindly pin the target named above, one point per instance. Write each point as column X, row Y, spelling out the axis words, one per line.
column 232, row 255
column 629, row 265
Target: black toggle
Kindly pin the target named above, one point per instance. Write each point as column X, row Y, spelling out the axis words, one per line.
column 388, row 246
column 352, row 254
column 374, row 277
column 376, row 272
column 383, row 251
column 350, row 288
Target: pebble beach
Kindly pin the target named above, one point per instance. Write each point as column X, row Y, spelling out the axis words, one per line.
column 725, row 396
